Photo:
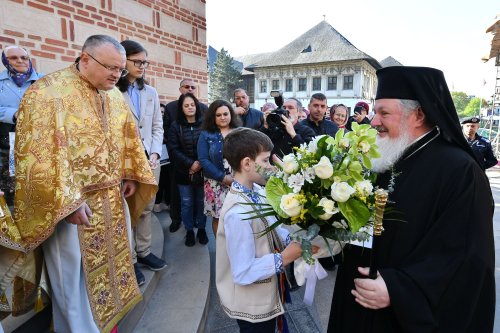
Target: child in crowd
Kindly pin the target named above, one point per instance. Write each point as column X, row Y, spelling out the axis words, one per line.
column 248, row 265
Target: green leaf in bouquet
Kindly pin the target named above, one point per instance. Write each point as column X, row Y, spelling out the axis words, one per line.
column 325, row 146
column 355, row 212
column 355, row 166
column 273, row 226
column 339, row 135
column 315, row 212
column 367, row 162
column 357, row 176
column 374, row 152
column 275, row 189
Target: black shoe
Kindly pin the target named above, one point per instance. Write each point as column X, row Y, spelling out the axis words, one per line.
column 152, row 262
column 138, row 275
column 190, row 238
column 174, row 226
column 202, row 236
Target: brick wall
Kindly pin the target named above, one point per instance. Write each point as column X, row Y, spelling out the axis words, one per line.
column 172, row 31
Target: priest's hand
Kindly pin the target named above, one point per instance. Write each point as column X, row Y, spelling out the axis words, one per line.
column 371, row 294
column 80, row 216
column 128, row 188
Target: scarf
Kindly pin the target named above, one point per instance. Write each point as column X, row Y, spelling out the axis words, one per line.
column 18, row 78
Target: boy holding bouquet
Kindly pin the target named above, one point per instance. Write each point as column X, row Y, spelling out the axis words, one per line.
column 249, row 263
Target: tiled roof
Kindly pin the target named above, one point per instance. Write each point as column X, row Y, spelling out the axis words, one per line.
column 390, row 61
column 321, row 44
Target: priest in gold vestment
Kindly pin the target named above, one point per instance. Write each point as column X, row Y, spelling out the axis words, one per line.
column 82, row 177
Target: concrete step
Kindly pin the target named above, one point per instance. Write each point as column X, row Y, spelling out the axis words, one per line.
column 178, row 304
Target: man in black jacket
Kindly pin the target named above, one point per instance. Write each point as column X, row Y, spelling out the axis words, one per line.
column 316, row 119
column 291, row 133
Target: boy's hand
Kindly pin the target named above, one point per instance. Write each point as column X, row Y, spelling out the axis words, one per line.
column 292, row 252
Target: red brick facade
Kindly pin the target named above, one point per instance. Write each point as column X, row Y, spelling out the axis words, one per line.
column 173, row 32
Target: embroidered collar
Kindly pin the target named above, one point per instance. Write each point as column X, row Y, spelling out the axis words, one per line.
column 253, row 195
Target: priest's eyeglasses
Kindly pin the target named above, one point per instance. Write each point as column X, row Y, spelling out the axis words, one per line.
column 122, row 71
column 139, row 63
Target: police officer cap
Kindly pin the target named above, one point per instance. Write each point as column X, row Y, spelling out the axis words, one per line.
column 471, row 120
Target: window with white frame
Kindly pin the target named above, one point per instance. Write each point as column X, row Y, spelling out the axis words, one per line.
column 332, row 83
column 348, row 82
column 263, row 86
column 289, row 85
column 275, row 84
column 316, row 83
column 302, row 84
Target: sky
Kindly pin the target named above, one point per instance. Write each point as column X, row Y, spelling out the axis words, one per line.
column 444, row 34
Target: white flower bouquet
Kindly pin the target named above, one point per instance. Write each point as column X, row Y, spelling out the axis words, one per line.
column 326, row 188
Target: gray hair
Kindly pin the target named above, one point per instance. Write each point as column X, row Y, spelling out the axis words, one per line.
column 409, row 105
column 184, row 81
column 12, row 47
column 297, row 102
column 95, row 41
column 240, row 90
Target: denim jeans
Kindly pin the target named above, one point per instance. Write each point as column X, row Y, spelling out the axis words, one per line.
column 192, row 206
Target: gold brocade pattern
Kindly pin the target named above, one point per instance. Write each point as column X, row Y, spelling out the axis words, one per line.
column 76, row 144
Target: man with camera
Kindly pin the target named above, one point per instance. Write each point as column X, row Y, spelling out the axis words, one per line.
column 283, row 128
column 316, row 119
column 360, row 115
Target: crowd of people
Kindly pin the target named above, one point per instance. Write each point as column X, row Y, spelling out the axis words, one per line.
column 90, row 141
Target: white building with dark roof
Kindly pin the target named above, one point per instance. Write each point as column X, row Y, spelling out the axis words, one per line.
column 320, row 60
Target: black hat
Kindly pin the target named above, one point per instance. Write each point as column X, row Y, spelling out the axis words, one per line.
column 428, row 87
column 470, row 120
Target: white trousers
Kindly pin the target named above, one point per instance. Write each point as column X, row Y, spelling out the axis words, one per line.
column 70, row 302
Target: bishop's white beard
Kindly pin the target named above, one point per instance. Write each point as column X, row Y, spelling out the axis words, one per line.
column 391, row 150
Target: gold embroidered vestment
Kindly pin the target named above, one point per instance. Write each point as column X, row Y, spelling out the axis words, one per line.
column 76, row 144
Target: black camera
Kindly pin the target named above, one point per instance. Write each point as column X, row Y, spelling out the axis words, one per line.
column 274, row 118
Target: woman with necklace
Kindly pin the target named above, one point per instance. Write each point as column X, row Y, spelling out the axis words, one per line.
column 220, row 120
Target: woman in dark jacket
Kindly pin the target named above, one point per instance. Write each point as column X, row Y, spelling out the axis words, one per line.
column 183, row 140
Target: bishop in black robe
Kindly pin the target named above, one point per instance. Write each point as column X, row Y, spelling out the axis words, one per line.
column 436, row 253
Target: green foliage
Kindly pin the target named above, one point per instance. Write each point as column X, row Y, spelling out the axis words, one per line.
column 460, row 99
column 224, row 77
column 473, row 107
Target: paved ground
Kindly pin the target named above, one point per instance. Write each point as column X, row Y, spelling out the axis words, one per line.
column 186, row 289
column 301, row 318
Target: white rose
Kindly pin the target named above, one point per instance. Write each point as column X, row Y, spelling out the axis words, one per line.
column 329, row 208
column 364, row 147
column 341, row 192
column 290, row 164
column 290, row 205
column 364, row 187
column 324, row 168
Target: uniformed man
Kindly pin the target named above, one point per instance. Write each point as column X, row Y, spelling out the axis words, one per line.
column 480, row 146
